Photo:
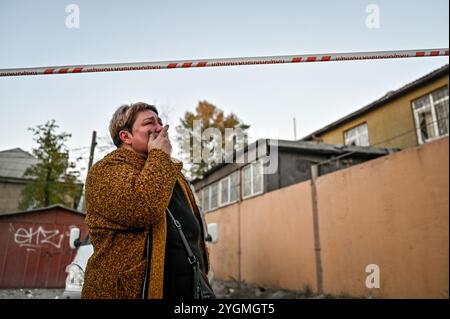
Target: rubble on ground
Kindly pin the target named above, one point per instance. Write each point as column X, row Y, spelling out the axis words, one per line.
column 234, row 289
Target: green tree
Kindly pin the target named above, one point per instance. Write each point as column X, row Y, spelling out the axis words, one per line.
column 209, row 116
column 50, row 180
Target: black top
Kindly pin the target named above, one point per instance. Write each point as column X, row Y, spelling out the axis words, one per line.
column 178, row 273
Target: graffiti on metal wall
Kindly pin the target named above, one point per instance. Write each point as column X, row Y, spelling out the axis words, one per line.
column 35, row 238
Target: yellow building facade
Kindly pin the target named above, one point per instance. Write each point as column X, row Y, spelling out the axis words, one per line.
column 412, row 115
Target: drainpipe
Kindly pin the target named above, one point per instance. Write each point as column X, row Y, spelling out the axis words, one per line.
column 239, row 226
column 239, row 244
column 315, row 210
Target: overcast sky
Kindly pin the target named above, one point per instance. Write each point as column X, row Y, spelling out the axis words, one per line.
column 34, row 33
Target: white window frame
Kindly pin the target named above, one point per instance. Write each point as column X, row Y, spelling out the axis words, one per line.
column 207, row 206
column 423, row 109
column 238, row 185
column 358, row 135
column 250, row 166
column 199, row 196
column 228, row 200
column 221, row 202
column 218, row 196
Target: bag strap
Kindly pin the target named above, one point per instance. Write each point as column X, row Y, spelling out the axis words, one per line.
column 191, row 257
column 193, row 261
column 148, row 256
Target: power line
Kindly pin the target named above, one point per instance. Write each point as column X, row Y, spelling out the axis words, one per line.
column 100, row 148
column 384, row 141
column 105, row 147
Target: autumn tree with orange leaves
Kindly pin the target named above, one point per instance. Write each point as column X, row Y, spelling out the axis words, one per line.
column 209, row 116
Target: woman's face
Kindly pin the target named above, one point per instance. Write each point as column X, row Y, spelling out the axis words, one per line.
column 147, row 122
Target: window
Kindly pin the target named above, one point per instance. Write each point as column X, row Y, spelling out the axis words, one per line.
column 357, row 136
column 431, row 115
column 224, row 191
column 257, row 177
column 206, row 204
column 253, row 179
column 247, row 176
column 229, row 189
column 221, row 193
column 214, row 202
column 199, row 196
column 234, row 187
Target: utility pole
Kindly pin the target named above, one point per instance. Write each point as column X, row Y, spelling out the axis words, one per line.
column 91, row 161
column 93, row 144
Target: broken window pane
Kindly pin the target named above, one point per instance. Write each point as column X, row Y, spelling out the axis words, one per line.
column 422, row 102
column 431, row 114
column 442, row 117
column 426, row 124
column 440, row 95
column 357, row 136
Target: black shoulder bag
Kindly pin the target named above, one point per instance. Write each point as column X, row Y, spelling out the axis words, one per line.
column 202, row 288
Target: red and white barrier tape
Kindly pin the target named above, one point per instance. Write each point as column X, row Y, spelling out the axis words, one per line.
column 224, row 62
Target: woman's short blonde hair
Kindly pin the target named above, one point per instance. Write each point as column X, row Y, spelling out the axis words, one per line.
column 124, row 118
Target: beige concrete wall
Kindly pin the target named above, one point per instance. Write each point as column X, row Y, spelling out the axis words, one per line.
column 10, row 195
column 392, row 212
column 224, row 255
column 277, row 238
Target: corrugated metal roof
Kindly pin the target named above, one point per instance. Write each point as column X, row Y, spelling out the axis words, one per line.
column 14, row 162
column 42, row 209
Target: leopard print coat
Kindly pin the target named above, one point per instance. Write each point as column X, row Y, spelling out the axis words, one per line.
column 126, row 199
